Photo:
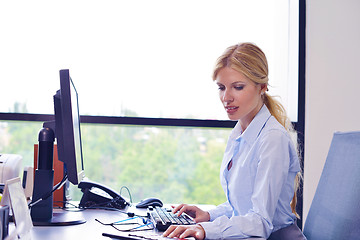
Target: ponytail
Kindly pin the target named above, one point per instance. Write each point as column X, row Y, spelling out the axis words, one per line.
column 278, row 111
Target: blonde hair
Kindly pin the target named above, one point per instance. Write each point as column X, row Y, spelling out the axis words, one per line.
column 250, row 60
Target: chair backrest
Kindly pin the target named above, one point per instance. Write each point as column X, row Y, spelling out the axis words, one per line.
column 335, row 209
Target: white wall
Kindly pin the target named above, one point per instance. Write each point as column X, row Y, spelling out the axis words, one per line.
column 332, row 81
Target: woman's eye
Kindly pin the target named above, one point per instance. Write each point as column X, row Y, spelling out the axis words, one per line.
column 239, row 87
column 221, row 88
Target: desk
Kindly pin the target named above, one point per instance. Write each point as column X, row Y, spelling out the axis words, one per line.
column 89, row 230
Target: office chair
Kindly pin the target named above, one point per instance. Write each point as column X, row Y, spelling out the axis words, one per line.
column 335, row 209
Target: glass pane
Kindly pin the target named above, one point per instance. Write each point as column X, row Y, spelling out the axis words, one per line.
column 139, row 58
column 174, row 164
column 18, row 137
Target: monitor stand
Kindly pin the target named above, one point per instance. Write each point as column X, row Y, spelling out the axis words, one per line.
column 41, row 211
column 62, row 218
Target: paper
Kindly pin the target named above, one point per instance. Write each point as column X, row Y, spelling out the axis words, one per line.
column 19, row 207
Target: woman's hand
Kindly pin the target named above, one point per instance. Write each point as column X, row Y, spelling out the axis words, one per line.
column 196, row 213
column 182, row 231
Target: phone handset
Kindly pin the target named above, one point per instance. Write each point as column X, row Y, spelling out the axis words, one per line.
column 96, row 195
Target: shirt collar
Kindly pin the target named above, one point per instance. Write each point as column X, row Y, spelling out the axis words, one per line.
column 254, row 128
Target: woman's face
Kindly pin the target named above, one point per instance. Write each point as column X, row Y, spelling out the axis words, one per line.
column 240, row 96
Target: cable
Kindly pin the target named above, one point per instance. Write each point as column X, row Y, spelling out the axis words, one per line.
column 48, row 194
column 95, row 206
column 127, row 191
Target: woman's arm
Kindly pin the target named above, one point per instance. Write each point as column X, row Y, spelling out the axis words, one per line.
column 271, row 158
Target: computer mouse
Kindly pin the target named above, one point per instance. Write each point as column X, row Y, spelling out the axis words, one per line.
column 147, row 202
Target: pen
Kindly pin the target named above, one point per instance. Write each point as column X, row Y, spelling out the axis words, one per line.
column 119, row 237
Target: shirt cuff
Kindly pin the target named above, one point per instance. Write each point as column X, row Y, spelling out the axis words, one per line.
column 213, row 214
column 212, row 231
column 220, row 210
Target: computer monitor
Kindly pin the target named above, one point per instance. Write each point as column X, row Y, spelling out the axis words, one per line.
column 66, row 129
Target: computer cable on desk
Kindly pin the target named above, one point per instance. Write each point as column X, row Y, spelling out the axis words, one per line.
column 125, row 187
column 75, row 207
column 129, row 214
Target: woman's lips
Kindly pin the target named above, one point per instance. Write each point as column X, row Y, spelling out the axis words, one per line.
column 231, row 109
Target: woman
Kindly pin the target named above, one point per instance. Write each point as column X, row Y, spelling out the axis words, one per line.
column 260, row 163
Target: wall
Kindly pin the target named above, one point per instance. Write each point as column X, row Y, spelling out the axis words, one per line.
column 332, row 81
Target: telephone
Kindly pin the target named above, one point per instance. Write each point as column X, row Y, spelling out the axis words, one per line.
column 97, row 195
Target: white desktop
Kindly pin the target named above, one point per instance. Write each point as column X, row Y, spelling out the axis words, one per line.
column 93, row 229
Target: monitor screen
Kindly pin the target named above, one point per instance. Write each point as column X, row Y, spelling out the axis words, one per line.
column 67, row 128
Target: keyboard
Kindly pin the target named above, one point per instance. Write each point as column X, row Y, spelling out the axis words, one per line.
column 162, row 218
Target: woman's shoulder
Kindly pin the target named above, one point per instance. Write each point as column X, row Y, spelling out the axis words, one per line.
column 274, row 130
column 273, row 124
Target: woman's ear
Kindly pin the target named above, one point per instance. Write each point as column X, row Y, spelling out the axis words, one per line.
column 263, row 87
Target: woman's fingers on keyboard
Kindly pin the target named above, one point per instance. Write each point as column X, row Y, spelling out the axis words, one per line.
column 184, row 208
column 177, row 208
column 174, row 231
column 169, row 231
column 185, row 231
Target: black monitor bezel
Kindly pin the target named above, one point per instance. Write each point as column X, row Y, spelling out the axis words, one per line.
column 64, row 128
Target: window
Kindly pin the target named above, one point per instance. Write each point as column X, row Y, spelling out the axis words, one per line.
column 140, row 58
column 148, row 59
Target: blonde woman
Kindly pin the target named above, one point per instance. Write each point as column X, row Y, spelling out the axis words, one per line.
column 260, row 164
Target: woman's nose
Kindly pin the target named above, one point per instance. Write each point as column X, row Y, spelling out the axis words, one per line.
column 227, row 96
